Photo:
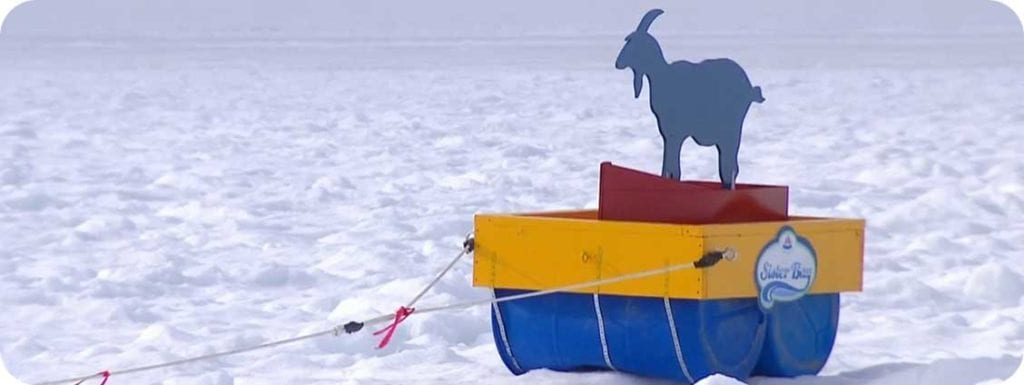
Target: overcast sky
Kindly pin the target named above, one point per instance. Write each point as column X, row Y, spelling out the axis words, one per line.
column 484, row 19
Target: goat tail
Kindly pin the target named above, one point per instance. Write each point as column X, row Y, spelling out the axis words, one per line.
column 757, row 97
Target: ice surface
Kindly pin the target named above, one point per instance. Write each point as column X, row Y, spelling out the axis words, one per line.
column 525, row 18
column 164, row 201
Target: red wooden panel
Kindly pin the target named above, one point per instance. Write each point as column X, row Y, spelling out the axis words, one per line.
column 631, row 195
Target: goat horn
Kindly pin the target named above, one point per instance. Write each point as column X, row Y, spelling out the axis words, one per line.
column 645, row 23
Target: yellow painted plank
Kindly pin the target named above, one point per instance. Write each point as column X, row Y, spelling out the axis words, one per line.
column 546, row 250
column 530, row 252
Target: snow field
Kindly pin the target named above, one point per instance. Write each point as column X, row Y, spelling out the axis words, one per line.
column 154, row 213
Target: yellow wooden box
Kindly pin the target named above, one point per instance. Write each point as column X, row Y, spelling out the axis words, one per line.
column 548, row 250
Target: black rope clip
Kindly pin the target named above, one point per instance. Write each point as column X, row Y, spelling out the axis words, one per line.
column 709, row 259
column 353, row 327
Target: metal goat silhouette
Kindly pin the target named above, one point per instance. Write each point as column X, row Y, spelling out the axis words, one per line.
column 707, row 101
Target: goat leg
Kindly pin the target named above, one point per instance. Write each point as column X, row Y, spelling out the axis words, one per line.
column 670, row 167
column 728, row 164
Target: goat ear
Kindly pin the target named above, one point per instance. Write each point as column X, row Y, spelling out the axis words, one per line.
column 638, row 83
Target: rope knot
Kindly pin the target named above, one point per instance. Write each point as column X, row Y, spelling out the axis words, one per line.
column 400, row 315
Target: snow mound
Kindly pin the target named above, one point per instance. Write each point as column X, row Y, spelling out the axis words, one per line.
column 996, row 283
column 719, row 379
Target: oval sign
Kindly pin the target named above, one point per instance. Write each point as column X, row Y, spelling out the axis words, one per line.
column 785, row 269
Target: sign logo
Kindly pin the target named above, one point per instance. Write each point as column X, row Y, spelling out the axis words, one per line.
column 785, row 269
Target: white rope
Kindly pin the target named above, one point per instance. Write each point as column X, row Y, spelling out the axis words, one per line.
column 601, row 333
column 336, row 331
column 675, row 340
column 333, row 331
column 465, row 250
column 340, row 329
column 504, row 334
column 561, row 289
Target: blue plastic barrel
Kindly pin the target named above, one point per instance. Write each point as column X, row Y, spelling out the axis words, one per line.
column 800, row 335
column 678, row 339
